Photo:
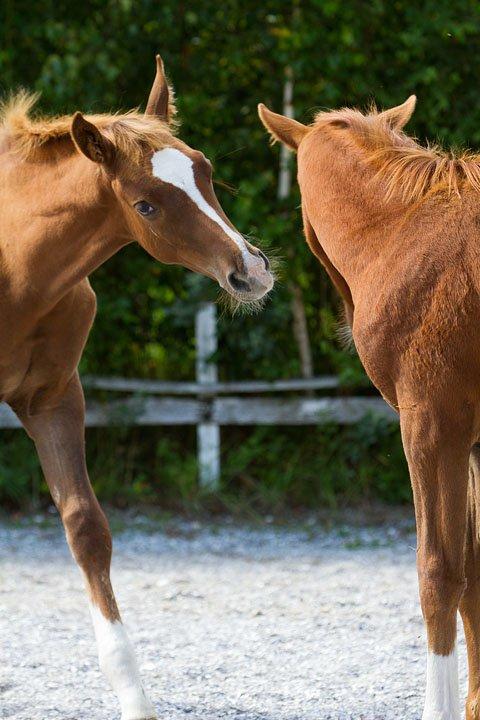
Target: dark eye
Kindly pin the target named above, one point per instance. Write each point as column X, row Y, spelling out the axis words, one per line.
column 144, row 208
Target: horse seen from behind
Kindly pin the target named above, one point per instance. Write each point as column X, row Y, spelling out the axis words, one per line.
column 397, row 228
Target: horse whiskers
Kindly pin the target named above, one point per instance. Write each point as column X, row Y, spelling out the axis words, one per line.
column 226, row 186
column 232, row 152
column 233, row 307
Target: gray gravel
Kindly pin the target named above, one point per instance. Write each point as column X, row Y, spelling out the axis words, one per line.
column 228, row 622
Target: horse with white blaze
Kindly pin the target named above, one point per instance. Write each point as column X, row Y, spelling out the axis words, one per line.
column 74, row 191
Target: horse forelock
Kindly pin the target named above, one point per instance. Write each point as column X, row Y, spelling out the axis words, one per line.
column 405, row 168
column 132, row 132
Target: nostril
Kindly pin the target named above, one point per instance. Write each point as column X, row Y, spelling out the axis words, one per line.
column 238, row 284
column 265, row 260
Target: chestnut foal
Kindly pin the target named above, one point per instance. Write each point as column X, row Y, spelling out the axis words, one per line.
column 73, row 191
column 397, row 228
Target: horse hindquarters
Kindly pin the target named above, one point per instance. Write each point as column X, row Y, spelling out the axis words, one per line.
column 437, row 443
column 470, row 603
column 59, row 438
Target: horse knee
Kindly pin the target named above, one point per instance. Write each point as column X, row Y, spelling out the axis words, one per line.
column 88, row 535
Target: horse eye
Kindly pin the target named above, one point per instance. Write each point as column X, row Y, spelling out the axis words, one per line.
column 144, row 208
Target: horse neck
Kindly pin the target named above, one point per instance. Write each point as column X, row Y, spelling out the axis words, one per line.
column 346, row 210
column 69, row 229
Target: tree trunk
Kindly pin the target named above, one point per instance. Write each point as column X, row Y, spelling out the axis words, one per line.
column 300, row 331
column 300, row 328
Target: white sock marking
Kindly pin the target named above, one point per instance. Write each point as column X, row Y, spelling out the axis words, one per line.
column 118, row 662
column 442, row 696
column 172, row 166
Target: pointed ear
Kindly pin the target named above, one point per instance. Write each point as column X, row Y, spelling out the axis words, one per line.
column 398, row 117
column 160, row 101
column 90, row 141
column 287, row 130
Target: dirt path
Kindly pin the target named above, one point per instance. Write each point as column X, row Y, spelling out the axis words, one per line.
column 228, row 622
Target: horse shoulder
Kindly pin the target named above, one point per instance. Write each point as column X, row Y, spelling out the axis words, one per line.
column 58, row 340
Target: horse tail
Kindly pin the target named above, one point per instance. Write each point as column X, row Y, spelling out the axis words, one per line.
column 472, row 540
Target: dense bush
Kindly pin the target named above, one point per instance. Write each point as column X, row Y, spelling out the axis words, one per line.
column 223, row 58
column 267, row 469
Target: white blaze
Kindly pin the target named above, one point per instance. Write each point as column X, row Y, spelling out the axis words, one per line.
column 117, row 660
column 174, row 167
column 442, row 697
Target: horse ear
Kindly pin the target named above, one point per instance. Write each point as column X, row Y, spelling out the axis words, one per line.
column 159, row 101
column 287, row 130
column 90, row 141
column 397, row 117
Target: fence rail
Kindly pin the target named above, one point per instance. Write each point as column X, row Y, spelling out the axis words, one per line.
column 159, row 387
column 150, row 410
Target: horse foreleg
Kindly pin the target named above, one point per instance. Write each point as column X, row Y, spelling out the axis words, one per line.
column 58, row 434
column 437, row 446
column 470, row 603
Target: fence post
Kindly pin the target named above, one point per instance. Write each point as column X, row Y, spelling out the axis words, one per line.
column 208, row 433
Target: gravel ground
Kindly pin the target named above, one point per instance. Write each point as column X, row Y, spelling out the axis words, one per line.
column 228, row 622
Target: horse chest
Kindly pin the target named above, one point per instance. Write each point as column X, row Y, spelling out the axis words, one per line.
column 46, row 351
column 14, row 366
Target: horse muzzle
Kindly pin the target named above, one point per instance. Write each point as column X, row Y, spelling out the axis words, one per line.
column 252, row 280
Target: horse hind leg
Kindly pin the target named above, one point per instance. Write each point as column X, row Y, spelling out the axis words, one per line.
column 437, row 445
column 58, row 434
column 470, row 602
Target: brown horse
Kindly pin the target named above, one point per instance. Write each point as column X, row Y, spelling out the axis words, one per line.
column 397, row 228
column 73, row 191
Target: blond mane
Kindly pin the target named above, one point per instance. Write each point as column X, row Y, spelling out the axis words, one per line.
column 405, row 168
column 131, row 132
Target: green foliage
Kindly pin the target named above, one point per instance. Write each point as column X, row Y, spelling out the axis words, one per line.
column 21, row 483
column 224, row 58
column 143, row 466
column 266, row 469
column 277, row 470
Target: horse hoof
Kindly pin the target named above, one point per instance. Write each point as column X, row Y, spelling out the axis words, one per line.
column 144, row 716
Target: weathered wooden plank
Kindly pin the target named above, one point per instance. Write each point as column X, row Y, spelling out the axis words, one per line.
column 298, row 411
column 145, row 411
column 161, row 387
column 8, row 419
column 208, row 455
column 208, row 433
column 226, row 411
column 206, row 343
column 131, row 411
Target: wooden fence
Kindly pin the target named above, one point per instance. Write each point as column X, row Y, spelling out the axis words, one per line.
column 209, row 404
